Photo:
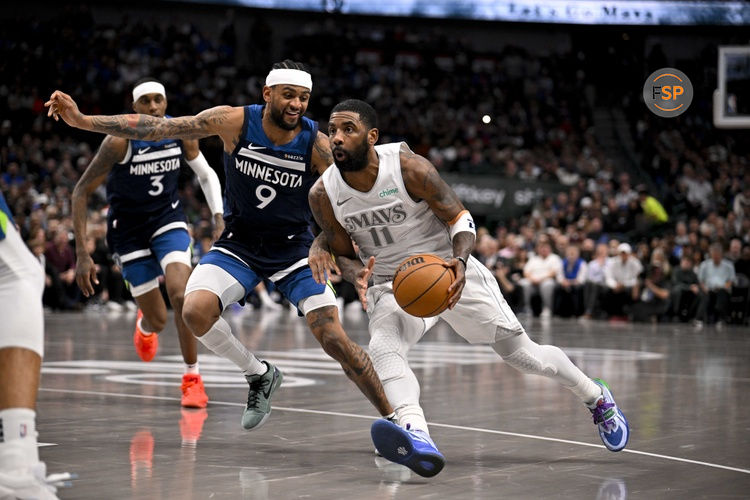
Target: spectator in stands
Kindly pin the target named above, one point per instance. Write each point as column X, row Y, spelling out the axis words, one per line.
column 570, row 281
column 622, row 279
column 596, row 282
column 735, row 250
column 685, row 289
column 508, row 275
column 53, row 289
column 653, row 211
column 742, row 265
column 654, row 296
column 539, row 275
column 659, row 258
column 741, row 204
column 61, row 257
column 715, row 276
column 625, row 194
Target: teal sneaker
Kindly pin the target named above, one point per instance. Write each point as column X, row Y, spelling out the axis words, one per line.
column 613, row 426
column 259, row 396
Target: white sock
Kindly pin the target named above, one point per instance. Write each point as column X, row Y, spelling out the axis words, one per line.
column 411, row 416
column 220, row 340
column 194, row 368
column 144, row 332
column 18, row 447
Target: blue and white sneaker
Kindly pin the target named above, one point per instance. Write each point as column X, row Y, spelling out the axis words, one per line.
column 613, row 426
column 413, row 449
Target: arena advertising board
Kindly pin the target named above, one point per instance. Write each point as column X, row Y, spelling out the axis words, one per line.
column 650, row 12
column 498, row 196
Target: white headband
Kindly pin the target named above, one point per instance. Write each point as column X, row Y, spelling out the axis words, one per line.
column 290, row 77
column 148, row 88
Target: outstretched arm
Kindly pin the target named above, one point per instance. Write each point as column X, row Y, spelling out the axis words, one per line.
column 423, row 182
column 224, row 121
column 111, row 151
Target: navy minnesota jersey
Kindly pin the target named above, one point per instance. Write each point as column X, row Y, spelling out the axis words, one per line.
column 146, row 180
column 267, row 185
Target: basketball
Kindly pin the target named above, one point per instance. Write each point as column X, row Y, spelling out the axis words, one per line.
column 421, row 285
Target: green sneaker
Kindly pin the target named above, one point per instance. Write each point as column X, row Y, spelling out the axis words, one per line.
column 259, row 396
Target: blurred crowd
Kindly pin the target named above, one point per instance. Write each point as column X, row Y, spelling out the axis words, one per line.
column 666, row 240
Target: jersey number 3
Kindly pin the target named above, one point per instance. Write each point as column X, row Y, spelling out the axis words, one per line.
column 158, row 186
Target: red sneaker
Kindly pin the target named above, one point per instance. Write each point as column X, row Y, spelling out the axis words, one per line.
column 193, row 392
column 145, row 345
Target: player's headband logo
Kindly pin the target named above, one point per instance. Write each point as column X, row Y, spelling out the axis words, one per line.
column 290, row 77
column 148, row 88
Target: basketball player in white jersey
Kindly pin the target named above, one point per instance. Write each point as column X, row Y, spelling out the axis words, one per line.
column 393, row 204
column 22, row 475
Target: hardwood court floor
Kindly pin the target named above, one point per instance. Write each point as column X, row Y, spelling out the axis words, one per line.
column 117, row 422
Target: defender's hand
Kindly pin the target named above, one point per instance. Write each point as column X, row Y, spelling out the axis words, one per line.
column 321, row 262
column 86, row 275
column 363, row 277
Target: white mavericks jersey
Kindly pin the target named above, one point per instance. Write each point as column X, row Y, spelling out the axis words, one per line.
column 385, row 221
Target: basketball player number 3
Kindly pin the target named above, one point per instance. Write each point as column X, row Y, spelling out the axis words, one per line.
column 158, row 186
column 265, row 194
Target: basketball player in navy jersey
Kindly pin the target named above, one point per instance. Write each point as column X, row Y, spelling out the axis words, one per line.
column 146, row 228
column 394, row 204
column 273, row 154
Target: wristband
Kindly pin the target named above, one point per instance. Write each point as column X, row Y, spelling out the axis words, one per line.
column 462, row 222
column 462, row 260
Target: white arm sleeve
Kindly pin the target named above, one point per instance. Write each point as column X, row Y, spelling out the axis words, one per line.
column 209, row 182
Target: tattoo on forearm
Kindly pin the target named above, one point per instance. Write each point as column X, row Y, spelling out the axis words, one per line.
column 147, row 127
column 324, row 151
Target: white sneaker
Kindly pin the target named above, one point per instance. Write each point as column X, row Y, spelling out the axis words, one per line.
column 546, row 313
column 31, row 483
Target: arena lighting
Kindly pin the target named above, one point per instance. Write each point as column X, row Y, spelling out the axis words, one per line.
column 622, row 12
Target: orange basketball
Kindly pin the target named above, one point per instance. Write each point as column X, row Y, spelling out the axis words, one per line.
column 421, row 285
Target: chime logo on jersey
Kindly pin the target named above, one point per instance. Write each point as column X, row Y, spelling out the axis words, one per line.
column 378, row 217
column 388, row 192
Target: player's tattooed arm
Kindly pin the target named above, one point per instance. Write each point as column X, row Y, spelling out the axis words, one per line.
column 333, row 238
column 225, row 121
column 111, row 151
column 423, row 182
column 322, row 158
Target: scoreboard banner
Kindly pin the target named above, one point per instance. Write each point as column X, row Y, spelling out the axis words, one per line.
column 622, row 12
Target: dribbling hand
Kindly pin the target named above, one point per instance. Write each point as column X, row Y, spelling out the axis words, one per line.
column 454, row 291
